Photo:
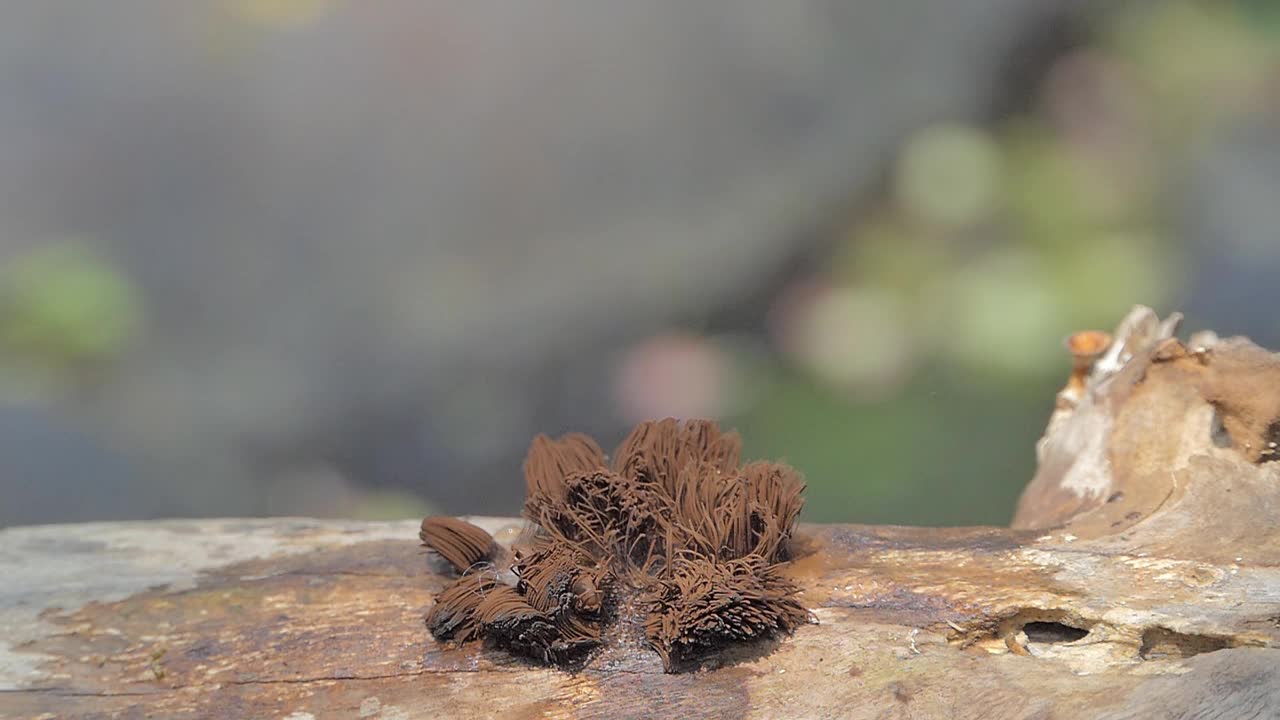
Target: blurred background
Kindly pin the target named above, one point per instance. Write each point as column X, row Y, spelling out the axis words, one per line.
column 340, row 258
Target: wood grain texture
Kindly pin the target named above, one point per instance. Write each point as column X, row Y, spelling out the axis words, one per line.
column 1144, row 581
column 278, row 617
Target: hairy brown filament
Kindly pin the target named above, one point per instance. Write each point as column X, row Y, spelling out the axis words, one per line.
column 704, row 603
column 549, row 462
column 462, row 544
column 673, row 522
column 455, row 614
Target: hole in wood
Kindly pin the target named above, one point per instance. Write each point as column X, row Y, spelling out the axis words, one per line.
column 1041, row 626
column 1162, row 643
column 1052, row 632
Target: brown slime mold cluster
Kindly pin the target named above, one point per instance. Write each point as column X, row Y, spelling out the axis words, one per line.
column 673, row 539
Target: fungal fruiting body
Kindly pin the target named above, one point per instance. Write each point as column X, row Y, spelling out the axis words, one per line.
column 462, row 544
column 673, row 529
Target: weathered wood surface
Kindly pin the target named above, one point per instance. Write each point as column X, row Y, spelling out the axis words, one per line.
column 1155, row 593
column 278, row 617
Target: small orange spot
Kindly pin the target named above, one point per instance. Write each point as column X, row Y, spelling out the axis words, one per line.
column 1085, row 348
column 1088, row 343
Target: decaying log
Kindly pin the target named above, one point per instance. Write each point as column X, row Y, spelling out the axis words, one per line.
column 1141, row 579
